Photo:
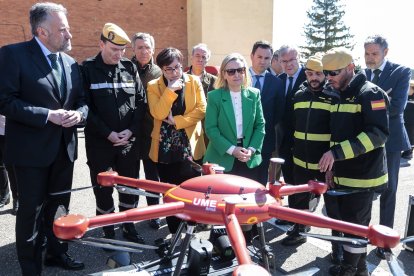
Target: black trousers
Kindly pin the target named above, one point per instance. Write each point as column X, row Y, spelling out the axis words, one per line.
column 121, row 159
column 37, row 210
column 170, row 173
column 263, row 168
column 151, row 173
column 7, row 174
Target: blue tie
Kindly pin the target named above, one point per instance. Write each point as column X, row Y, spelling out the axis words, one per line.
column 58, row 75
column 257, row 84
column 289, row 86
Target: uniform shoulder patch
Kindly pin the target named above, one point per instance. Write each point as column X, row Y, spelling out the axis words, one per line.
column 378, row 105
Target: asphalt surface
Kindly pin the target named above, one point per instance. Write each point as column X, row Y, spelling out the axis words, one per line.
column 289, row 260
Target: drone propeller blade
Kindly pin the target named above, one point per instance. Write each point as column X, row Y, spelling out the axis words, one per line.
column 407, row 239
column 71, row 190
column 122, row 243
column 394, row 264
column 107, row 246
column 342, row 240
column 135, row 191
column 340, row 192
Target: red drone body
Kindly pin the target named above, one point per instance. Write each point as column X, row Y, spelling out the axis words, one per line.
column 220, row 199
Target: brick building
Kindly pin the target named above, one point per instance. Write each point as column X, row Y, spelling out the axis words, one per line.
column 225, row 25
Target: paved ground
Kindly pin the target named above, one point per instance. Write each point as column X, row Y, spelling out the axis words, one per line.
column 290, row 260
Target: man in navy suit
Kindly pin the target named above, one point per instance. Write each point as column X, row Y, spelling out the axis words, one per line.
column 292, row 78
column 41, row 95
column 272, row 98
column 394, row 79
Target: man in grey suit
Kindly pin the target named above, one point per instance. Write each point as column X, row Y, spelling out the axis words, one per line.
column 394, row 79
column 41, row 95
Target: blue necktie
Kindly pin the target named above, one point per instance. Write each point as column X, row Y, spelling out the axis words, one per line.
column 289, row 86
column 58, row 75
column 257, row 84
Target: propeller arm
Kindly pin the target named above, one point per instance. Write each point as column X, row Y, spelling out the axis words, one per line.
column 74, row 226
column 109, row 179
column 235, row 234
column 378, row 235
column 313, row 186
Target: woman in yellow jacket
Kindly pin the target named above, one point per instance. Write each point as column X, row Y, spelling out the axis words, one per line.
column 177, row 103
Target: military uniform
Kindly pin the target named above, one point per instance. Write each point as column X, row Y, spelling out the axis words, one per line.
column 116, row 98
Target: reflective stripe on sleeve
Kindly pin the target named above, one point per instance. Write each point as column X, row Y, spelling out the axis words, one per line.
column 365, row 141
column 347, row 149
column 112, row 85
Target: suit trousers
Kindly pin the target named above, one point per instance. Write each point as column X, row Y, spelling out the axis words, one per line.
column 37, row 209
column 7, row 174
column 388, row 196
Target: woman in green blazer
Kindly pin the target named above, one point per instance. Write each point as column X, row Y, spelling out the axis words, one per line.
column 234, row 120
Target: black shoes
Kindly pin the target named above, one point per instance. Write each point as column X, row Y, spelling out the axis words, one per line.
column 293, row 237
column 380, row 252
column 130, row 233
column 4, row 200
column 64, row 261
column 408, row 154
column 15, row 207
column 155, row 223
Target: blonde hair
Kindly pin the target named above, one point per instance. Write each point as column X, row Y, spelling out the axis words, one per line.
column 221, row 81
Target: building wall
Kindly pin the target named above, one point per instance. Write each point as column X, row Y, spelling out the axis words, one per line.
column 225, row 25
column 228, row 26
column 165, row 20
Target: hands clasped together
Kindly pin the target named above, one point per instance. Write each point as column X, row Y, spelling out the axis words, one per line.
column 65, row 118
column 242, row 154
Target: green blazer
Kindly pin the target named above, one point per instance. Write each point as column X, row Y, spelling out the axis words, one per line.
column 220, row 125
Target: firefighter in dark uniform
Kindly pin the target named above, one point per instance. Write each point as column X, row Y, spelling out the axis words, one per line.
column 116, row 99
column 359, row 130
column 311, row 140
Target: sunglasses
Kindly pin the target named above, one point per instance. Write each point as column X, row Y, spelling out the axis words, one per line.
column 333, row 73
column 231, row 72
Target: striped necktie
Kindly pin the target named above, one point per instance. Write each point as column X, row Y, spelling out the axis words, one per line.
column 58, row 75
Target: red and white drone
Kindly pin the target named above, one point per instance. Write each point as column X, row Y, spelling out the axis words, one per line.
column 221, row 199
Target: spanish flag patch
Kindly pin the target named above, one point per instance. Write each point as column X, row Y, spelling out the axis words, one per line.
column 378, row 105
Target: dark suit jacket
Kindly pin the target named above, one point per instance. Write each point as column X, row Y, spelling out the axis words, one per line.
column 287, row 121
column 273, row 103
column 395, row 81
column 27, row 92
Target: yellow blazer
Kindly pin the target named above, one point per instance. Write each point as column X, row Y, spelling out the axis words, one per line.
column 160, row 100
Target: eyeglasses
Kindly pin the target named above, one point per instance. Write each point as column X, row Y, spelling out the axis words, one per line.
column 289, row 61
column 333, row 73
column 171, row 70
column 231, row 72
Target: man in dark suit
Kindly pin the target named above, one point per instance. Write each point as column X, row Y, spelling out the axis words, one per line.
column 394, row 79
column 292, row 78
column 272, row 98
column 42, row 97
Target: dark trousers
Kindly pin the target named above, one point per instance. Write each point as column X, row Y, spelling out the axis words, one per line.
column 241, row 169
column 388, row 196
column 170, row 173
column 7, row 174
column 121, row 159
column 151, row 173
column 302, row 176
column 263, row 168
column 37, row 210
column 287, row 167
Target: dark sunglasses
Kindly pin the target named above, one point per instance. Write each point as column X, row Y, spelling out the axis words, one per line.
column 231, row 72
column 333, row 73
